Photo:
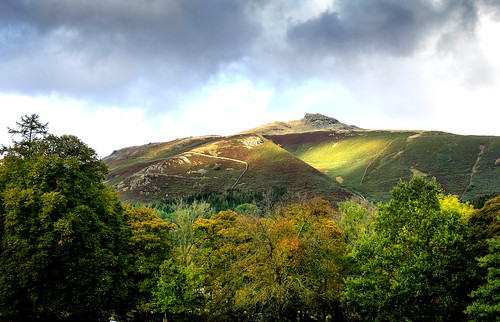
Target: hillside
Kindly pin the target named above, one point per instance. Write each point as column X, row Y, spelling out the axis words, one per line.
column 372, row 162
column 153, row 151
column 316, row 155
column 243, row 162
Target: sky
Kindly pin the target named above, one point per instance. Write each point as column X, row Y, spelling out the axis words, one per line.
column 119, row 73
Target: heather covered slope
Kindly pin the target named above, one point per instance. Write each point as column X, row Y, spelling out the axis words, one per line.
column 371, row 162
column 154, row 151
column 243, row 162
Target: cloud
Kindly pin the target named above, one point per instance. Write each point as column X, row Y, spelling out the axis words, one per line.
column 382, row 27
column 112, row 49
column 177, row 60
column 153, row 52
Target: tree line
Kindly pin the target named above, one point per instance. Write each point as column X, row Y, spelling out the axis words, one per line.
column 71, row 250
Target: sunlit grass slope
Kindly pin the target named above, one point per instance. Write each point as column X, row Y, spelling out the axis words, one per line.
column 372, row 162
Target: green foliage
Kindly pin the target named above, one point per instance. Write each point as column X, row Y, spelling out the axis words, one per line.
column 248, row 209
column 479, row 201
column 486, row 305
column 184, row 216
column 485, row 224
column 62, row 236
column 217, row 200
column 31, row 130
column 180, row 290
column 70, row 250
column 214, row 257
column 280, row 267
column 356, row 220
column 149, row 247
column 417, row 265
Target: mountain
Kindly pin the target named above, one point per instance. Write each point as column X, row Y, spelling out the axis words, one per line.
column 214, row 164
column 316, row 155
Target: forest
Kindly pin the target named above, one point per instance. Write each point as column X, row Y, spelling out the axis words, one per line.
column 71, row 250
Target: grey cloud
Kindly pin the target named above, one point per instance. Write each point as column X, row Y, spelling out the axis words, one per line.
column 215, row 29
column 91, row 48
column 388, row 27
column 158, row 52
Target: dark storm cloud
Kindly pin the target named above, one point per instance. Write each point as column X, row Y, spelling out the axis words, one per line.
column 98, row 47
column 387, row 27
column 158, row 52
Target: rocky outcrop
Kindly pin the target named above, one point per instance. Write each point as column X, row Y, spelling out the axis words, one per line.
column 310, row 122
column 320, row 121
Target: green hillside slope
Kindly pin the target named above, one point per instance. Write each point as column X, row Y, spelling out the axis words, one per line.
column 372, row 162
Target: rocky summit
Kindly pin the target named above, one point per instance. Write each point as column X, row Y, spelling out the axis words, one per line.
column 320, row 121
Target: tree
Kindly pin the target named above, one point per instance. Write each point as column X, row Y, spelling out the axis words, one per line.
column 356, row 221
column 63, row 238
column 485, row 225
column 417, row 265
column 285, row 266
column 179, row 281
column 149, row 247
column 30, row 129
column 184, row 216
column 214, row 256
column 486, row 305
column 180, row 289
column 248, row 209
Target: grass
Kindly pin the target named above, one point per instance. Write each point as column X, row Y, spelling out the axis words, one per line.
column 372, row 162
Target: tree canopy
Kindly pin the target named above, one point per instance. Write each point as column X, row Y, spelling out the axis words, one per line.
column 417, row 265
column 280, row 267
column 486, row 305
column 69, row 248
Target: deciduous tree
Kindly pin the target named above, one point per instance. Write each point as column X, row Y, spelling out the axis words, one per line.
column 149, row 246
column 284, row 266
column 356, row 220
column 417, row 265
column 486, row 305
column 63, row 239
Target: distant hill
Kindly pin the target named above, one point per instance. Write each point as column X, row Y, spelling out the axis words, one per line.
column 214, row 164
column 316, row 155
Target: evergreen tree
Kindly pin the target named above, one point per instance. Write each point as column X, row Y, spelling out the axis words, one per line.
column 30, row 130
column 485, row 225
